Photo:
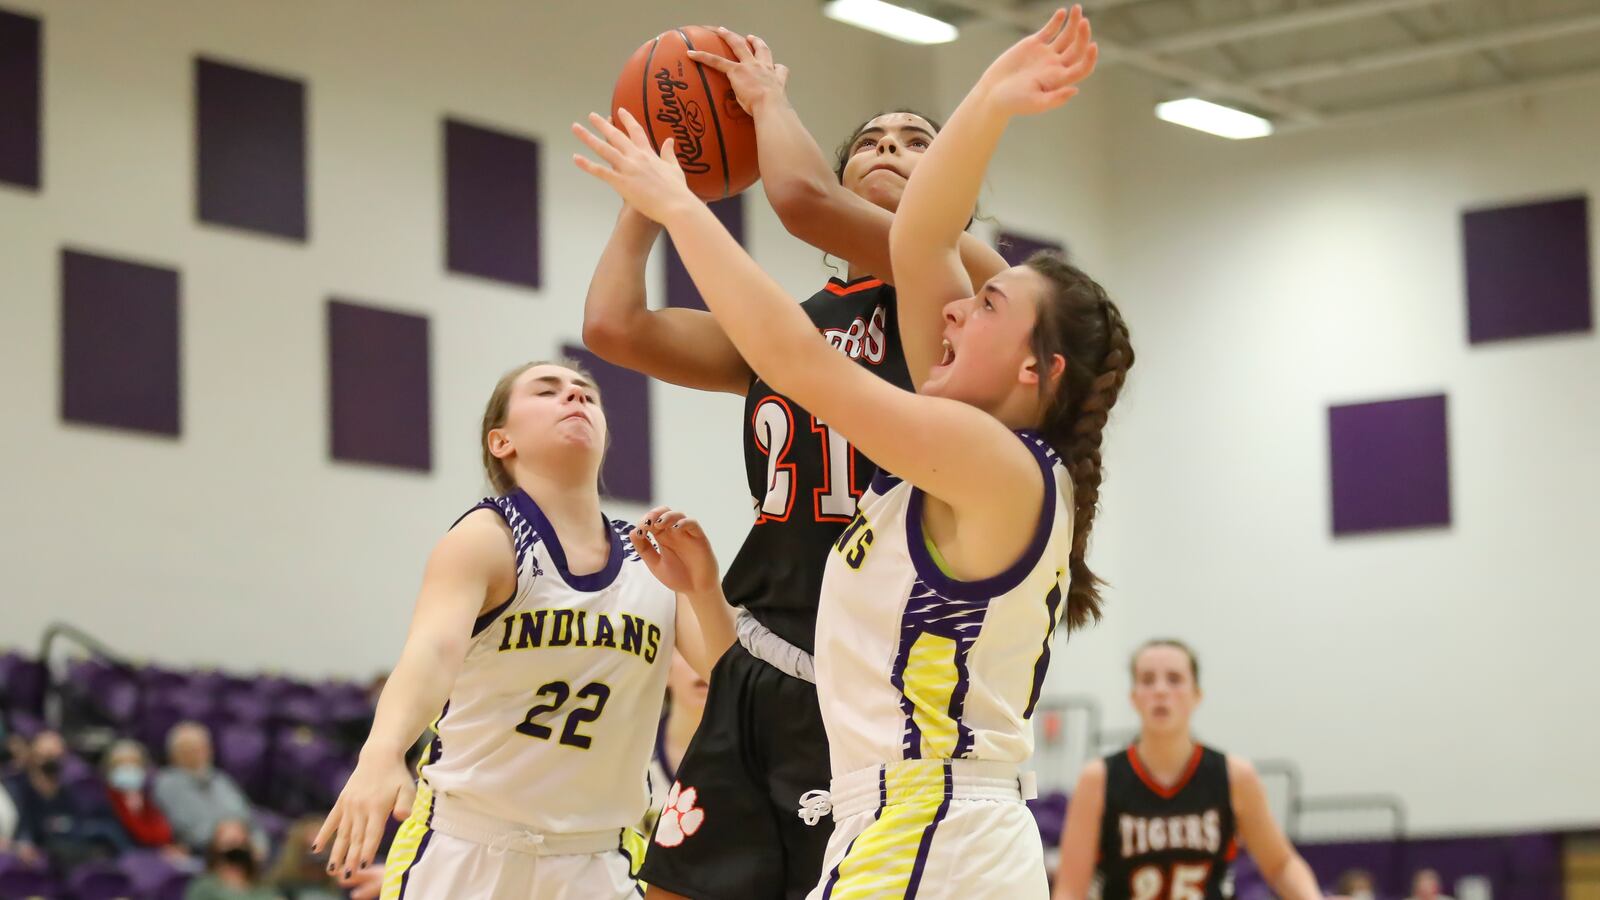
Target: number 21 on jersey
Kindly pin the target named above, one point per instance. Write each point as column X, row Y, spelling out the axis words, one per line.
column 835, row 500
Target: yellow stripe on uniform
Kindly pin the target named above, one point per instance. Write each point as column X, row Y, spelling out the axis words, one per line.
column 882, row 859
column 405, row 850
column 634, row 846
column 930, row 681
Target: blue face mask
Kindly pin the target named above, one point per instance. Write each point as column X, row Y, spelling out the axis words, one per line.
column 127, row 779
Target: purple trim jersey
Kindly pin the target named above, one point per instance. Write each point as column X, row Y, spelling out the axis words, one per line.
column 920, row 665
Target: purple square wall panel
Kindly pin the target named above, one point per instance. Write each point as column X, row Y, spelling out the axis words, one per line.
column 1528, row 270
column 119, row 344
column 1016, row 247
column 491, row 185
column 628, row 473
column 681, row 291
column 21, row 73
column 1390, row 464
column 379, row 404
column 250, row 154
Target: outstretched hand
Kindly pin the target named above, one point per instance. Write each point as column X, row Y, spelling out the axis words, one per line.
column 675, row 549
column 651, row 183
column 1042, row 71
column 755, row 78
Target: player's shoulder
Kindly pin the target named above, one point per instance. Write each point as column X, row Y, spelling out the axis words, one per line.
column 1093, row 773
column 1241, row 771
column 479, row 538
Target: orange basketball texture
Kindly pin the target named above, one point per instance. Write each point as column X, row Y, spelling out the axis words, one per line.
column 675, row 97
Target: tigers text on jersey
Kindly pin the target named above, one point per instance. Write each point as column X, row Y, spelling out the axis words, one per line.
column 804, row 477
column 1172, row 843
column 550, row 722
column 913, row 664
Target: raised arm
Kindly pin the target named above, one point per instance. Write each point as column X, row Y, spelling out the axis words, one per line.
column 800, row 185
column 472, row 563
column 1036, row 74
column 956, row 452
column 1280, row 864
column 682, row 346
column 1080, row 842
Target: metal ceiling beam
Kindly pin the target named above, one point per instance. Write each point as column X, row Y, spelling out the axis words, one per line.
column 1409, row 108
column 1197, row 79
column 1262, row 26
column 1323, row 71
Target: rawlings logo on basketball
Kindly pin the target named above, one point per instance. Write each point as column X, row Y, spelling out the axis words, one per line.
column 680, row 818
column 686, row 120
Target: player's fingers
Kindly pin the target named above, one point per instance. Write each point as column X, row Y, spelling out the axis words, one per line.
column 670, row 518
column 763, row 52
column 330, row 826
column 737, row 43
column 1074, row 39
column 783, row 73
column 341, row 843
column 1068, row 29
column 635, row 131
column 600, row 147
column 604, row 173
column 1052, row 28
column 714, row 60
column 656, row 512
column 1056, row 98
column 614, row 133
column 374, row 836
column 641, row 544
column 358, row 831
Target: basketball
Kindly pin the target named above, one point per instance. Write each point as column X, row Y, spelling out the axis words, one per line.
column 672, row 96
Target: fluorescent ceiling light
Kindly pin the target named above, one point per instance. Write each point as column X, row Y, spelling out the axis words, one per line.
column 891, row 21
column 1213, row 118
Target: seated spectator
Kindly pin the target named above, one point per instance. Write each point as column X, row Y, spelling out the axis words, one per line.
column 300, row 874
column 233, row 867
column 1355, row 884
column 126, row 770
column 1425, row 885
column 193, row 795
column 56, row 823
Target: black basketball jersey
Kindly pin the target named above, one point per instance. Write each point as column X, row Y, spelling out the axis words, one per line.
column 805, row 477
column 1173, row 843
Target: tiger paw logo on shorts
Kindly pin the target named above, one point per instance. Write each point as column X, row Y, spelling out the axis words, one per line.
column 680, row 818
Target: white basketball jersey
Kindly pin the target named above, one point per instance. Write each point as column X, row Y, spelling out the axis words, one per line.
column 913, row 664
column 551, row 723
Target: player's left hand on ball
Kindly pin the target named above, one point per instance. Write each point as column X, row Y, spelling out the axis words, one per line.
column 675, row 549
column 1042, row 71
column 650, row 182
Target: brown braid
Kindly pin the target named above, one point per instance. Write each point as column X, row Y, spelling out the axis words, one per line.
column 1080, row 323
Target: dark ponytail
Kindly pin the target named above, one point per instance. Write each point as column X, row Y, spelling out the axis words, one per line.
column 1079, row 322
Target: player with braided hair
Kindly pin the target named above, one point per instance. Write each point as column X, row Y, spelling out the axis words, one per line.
column 941, row 595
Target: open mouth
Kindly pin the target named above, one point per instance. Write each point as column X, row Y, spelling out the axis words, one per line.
column 949, row 355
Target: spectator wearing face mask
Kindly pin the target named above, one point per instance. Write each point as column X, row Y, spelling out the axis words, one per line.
column 127, row 771
column 52, row 821
column 233, row 868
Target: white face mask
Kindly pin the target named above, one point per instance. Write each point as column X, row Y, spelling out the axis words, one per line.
column 127, row 779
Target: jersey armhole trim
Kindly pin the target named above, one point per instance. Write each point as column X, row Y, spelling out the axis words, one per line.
column 984, row 588
column 486, row 619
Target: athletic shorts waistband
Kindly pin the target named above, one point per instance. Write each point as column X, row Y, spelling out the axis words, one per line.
column 456, row 820
column 921, row 779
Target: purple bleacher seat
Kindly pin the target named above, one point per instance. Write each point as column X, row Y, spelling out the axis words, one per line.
column 274, row 825
column 173, row 887
column 146, row 870
column 19, row 880
column 241, row 751
column 75, row 768
column 154, row 723
column 160, row 680
column 303, row 750
column 99, row 881
column 191, row 702
column 22, row 683
column 245, row 708
column 25, row 723
column 304, row 710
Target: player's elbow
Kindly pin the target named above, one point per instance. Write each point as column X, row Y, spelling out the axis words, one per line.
column 606, row 335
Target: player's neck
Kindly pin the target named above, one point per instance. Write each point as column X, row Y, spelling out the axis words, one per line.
column 1165, row 756
column 572, row 506
column 854, row 272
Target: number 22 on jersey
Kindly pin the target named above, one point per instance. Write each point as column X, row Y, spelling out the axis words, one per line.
column 833, row 501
